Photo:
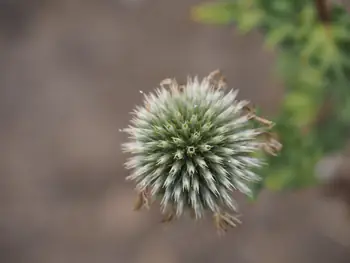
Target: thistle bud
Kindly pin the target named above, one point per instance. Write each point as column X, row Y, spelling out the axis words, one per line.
column 192, row 147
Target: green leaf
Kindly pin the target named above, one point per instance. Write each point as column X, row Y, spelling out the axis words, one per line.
column 344, row 113
column 220, row 13
column 311, row 77
column 252, row 18
column 276, row 36
column 341, row 32
column 302, row 106
column 322, row 44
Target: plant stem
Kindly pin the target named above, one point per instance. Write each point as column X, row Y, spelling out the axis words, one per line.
column 324, row 111
column 323, row 11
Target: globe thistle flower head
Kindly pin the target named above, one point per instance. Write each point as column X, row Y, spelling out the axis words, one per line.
column 192, row 145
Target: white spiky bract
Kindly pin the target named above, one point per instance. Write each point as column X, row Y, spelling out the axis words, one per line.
column 192, row 147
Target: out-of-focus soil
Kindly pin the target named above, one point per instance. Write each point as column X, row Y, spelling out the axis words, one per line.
column 70, row 73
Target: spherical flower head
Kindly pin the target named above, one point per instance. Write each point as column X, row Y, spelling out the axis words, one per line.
column 192, row 145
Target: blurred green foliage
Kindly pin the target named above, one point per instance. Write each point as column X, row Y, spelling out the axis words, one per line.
column 313, row 45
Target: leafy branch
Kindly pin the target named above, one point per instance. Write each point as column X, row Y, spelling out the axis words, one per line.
column 312, row 39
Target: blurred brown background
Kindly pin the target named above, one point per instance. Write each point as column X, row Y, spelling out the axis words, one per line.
column 70, row 71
